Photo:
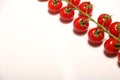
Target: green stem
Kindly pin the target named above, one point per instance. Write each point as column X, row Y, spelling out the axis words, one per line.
column 118, row 31
column 55, row 1
column 101, row 26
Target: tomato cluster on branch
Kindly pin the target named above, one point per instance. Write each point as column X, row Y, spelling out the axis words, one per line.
column 81, row 23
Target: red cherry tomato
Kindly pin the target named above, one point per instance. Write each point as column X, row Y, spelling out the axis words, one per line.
column 96, row 35
column 81, row 24
column 86, row 7
column 67, row 13
column 74, row 2
column 119, row 58
column 54, row 5
column 114, row 28
column 110, row 46
column 105, row 20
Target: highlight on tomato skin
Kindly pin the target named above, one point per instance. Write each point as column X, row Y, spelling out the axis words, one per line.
column 54, row 6
column 111, row 46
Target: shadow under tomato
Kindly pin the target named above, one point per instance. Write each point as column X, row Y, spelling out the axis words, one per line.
column 52, row 13
column 42, row 0
column 79, row 33
column 65, row 21
column 94, row 44
column 110, row 55
column 118, row 64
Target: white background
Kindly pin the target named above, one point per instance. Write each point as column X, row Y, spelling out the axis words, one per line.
column 35, row 45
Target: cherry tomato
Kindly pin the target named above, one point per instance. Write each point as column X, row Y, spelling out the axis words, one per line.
column 105, row 20
column 54, row 5
column 81, row 24
column 96, row 35
column 74, row 2
column 111, row 46
column 67, row 13
column 86, row 7
column 114, row 28
column 119, row 58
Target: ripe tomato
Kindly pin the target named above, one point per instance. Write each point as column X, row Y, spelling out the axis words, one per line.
column 110, row 46
column 81, row 24
column 96, row 35
column 74, row 2
column 67, row 13
column 86, row 7
column 54, row 5
column 105, row 20
column 119, row 58
column 114, row 28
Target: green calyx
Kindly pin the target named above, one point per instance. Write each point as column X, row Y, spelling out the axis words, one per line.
column 97, row 32
column 107, row 17
column 67, row 10
column 89, row 5
column 117, row 45
column 82, row 23
column 118, row 26
column 55, row 1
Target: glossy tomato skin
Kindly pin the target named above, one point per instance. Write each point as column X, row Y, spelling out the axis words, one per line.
column 55, row 6
column 86, row 7
column 119, row 58
column 67, row 13
column 110, row 46
column 96, row 35
column 81, row 24
column 105, row 20
column 74, row 2
column 114, row 28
